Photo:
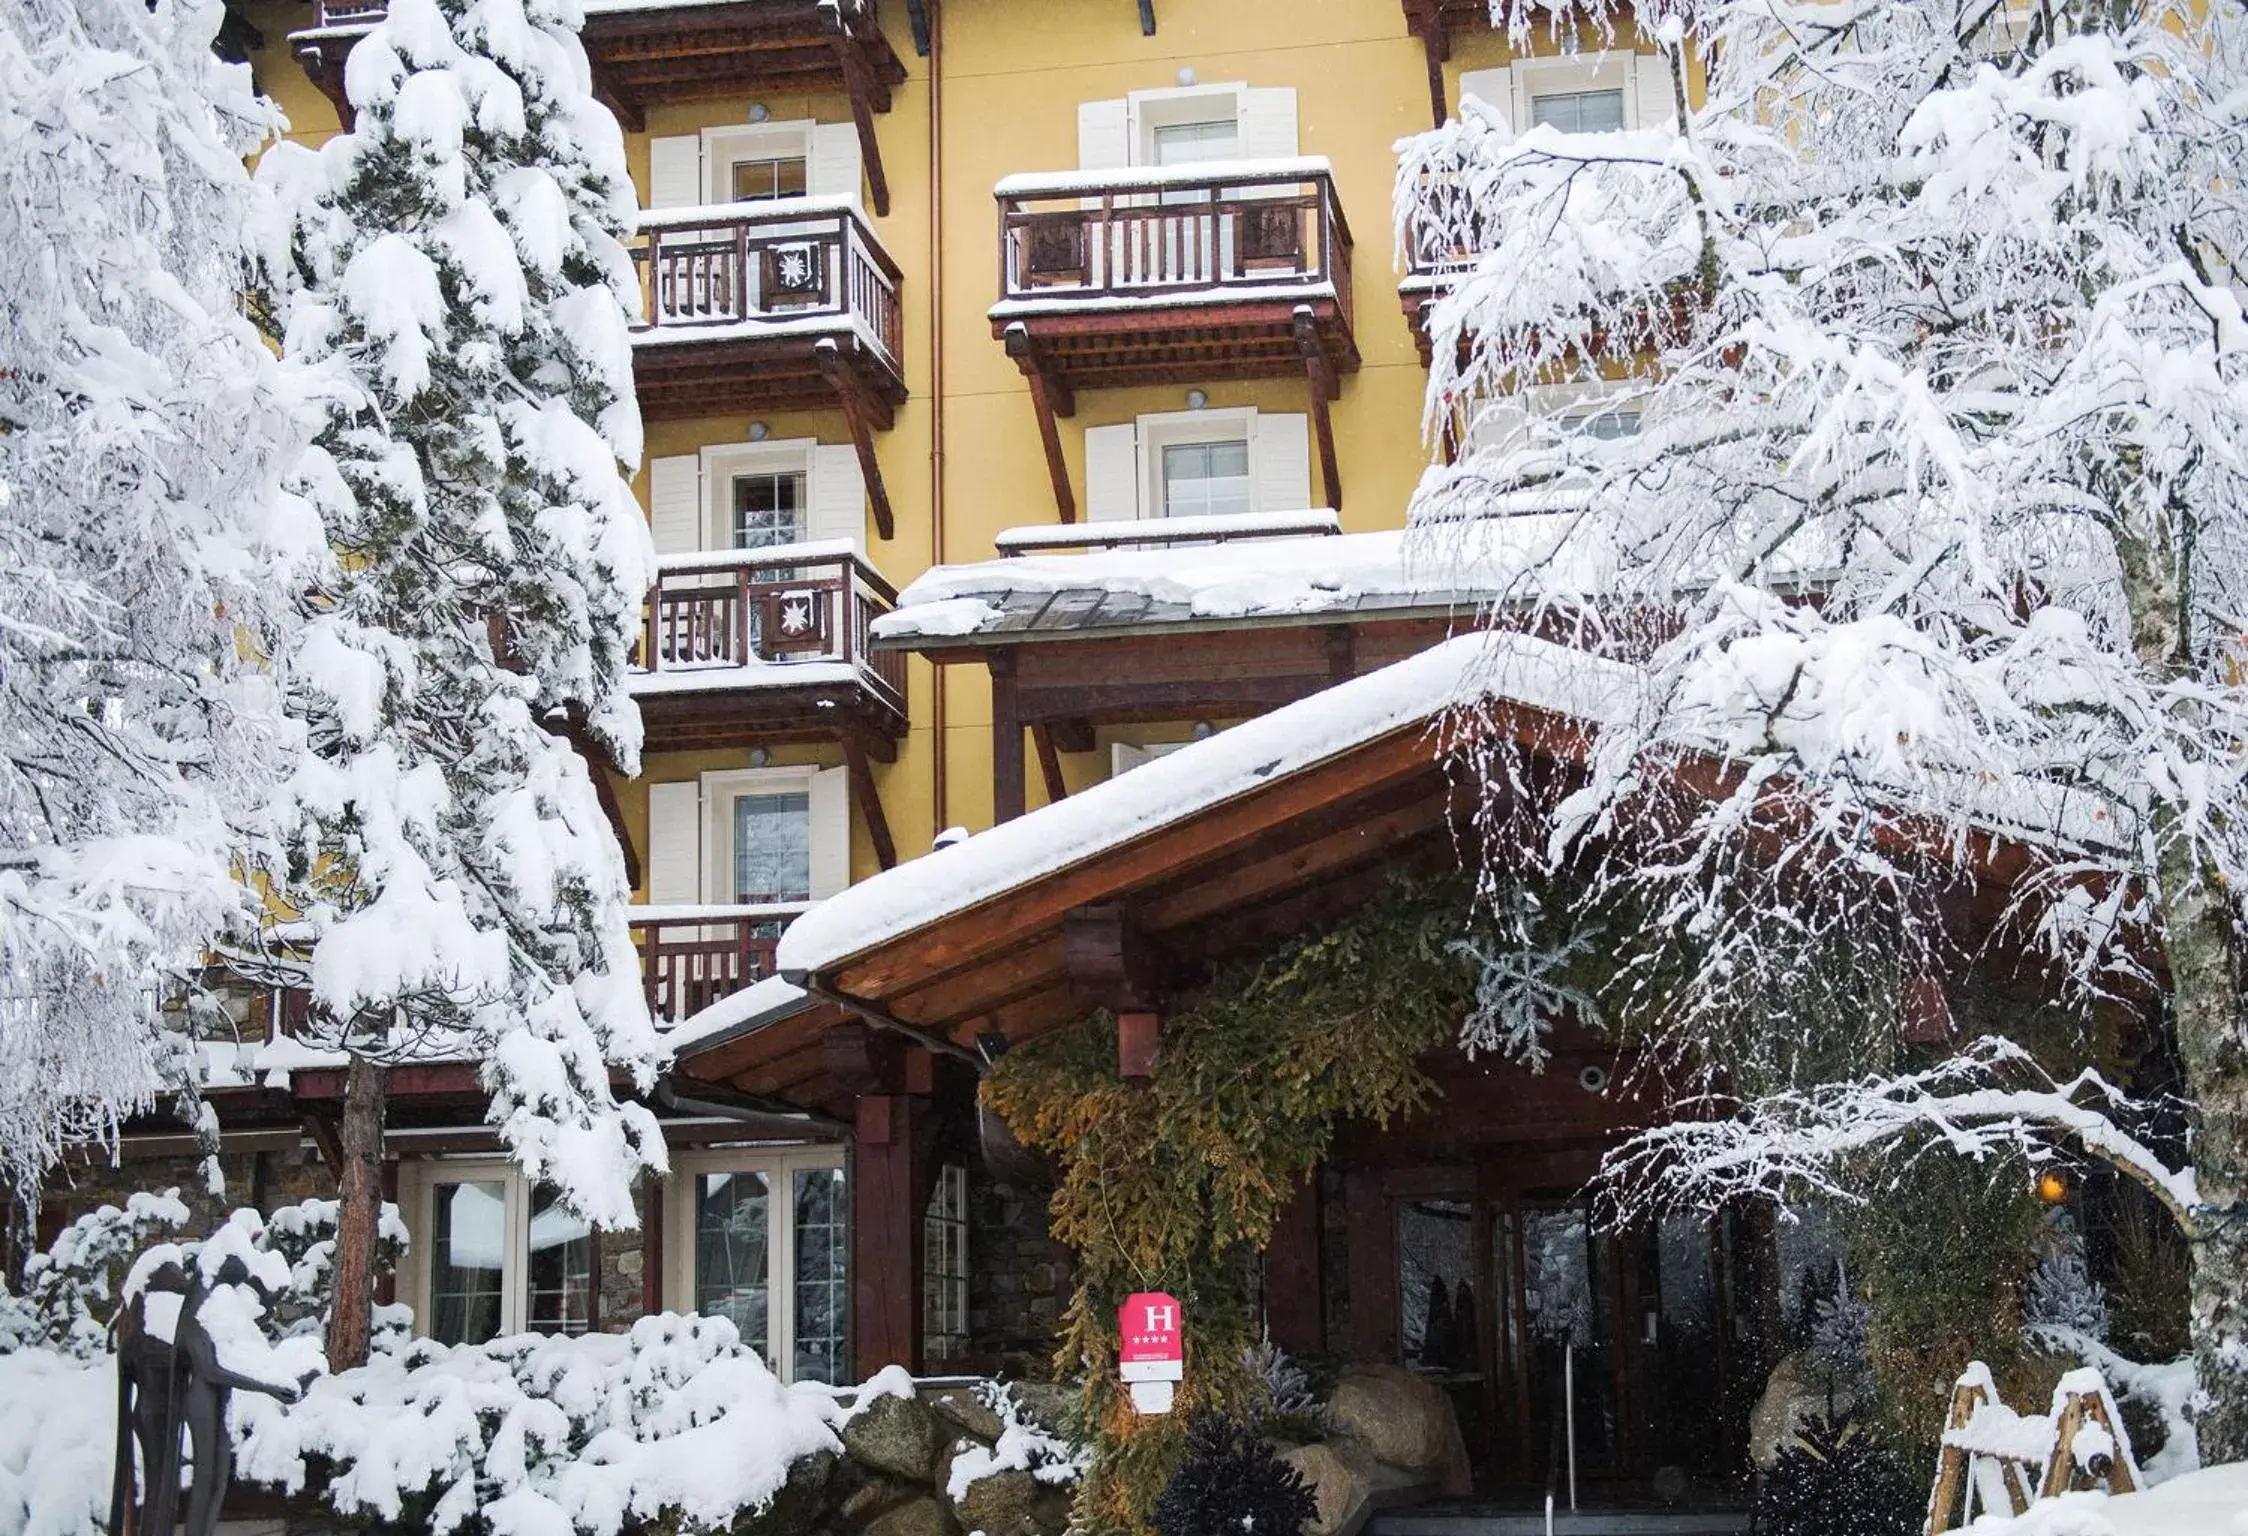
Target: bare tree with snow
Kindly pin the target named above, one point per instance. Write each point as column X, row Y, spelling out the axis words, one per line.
column 145, row 538
column 456, row 268
column 1932, row 325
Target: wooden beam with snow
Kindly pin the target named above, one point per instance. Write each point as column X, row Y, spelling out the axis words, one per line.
column 856, row 414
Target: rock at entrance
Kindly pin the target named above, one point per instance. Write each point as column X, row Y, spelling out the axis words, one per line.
column 797, row 1505
column 968, row 1413
column 922, row 1517
column 1348, row 1485
column 895, row 1435
column 1802, row 1386
column 1405, row 1421
column 1007, row 1504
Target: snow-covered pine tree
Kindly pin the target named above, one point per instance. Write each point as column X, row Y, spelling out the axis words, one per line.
column 146, row 545
column 1930, row 310
column 455, row 264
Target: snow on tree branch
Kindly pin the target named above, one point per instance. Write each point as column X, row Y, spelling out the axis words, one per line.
column 1991, row 1100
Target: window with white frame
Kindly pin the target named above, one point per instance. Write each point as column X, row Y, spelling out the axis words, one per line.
column 492, row 1253
column 1602, row 410
column 1198, row 463
column 749, row 836
column 767, row 1246
column 1579, row 111
column 756, row 495
column 944, row 1268
column 1600, row 91
column 1186, row 125
column 768, row 506
column 772, row 846
column 753, row 162
column 761, row 178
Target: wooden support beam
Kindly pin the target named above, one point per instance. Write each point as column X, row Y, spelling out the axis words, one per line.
column 1111, row 962
column 1050, row 398
column 861, row 87
column 1049, row 765
column 1007, row 787
column 1437, row 46
column 836, row 369
column 1074, row 734
column 1324, row 388
column 870, row 801
column 862, row 1059
column 1139, row 1041
column 651, row 1246
column 889, row 1192
column 322, row 1130
column 1294, row 1303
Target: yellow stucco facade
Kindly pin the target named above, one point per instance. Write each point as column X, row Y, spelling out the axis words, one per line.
column 999, row 95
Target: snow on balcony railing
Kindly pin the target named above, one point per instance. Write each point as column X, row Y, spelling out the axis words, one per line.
column 761, row 609
column 1163, row 532
column 691, row 956
column 782, row 261
column 1246, row 228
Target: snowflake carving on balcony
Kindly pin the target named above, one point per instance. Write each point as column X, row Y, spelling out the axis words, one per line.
column 796, row 614
column 796, row 269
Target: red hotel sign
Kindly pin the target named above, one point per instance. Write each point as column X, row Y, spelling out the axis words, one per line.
column 1151, row 1352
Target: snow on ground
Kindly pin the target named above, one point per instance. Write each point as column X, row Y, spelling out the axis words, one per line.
column 2212, row 1502
column 57, row 1423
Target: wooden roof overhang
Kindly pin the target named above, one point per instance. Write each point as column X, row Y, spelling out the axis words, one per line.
column 851, row 713
column 642, row 54
column 734, row 370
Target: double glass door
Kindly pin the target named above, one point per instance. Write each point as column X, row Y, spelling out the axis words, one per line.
column 1550, row 1333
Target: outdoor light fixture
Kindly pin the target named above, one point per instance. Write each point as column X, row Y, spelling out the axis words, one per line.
column 1187, row 75
column 2052, row 1186
column 1593, row 1079
column 758, row 431
column 759, row 757
column 1204, row 730
column 759, row 112
column 992, row 1043
column 1196, row 399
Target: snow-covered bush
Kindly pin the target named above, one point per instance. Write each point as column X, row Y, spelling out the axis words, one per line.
column 69, row 1292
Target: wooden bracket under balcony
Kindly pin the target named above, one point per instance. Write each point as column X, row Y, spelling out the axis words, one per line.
column 1050, row 397
column 859, row 413
column 1434, row 22
column 1325, row 388
column 644, row 53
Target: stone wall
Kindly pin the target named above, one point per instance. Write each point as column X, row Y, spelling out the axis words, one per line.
column 1019, row 1278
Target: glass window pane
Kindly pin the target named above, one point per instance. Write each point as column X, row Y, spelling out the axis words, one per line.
column 772, row 848
column 1206, row 479
column 1191, row 143
column 822, row 1260
column 561, row 1268
column 768, row 510
column 1608, row 426
column 467, row 1254
column 733, row 1256
column 762, row 179
column 1580, row 111
column 944, row 1267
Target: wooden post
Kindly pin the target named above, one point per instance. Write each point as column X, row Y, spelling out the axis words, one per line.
column 1049, row 763
column 1007, row 787
column 652, row 1203
column 828, row 355
column 1139, row 1042
column 1373, row 1270
column 870, row 801
column 1049, row 398
column 1294, row 1302
column 366, row 1090
column 1324, row 389
column 888, row 1194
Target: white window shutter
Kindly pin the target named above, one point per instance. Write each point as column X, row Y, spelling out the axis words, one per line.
column 1499, row 424
column 1495, row 89
column 832, row 169
column 675, row 844
column 1282, row 462
column 831, row 832
column 1123, row 757
column 1651, row 94
column 838, row 497
column 675, row 172
column 1104, row 135
column 675, row 504
column 1268, row 123
column 1112, row 473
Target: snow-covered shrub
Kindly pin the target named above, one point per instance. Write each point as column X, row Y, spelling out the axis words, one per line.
column 677, row 1421
column 70, row 1291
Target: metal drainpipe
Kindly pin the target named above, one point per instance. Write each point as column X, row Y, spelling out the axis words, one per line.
column 938, row 798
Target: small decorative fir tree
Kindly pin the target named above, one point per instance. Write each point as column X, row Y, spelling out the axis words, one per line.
column 1231, row 1481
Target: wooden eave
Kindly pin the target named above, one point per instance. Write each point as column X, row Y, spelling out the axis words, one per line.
column 772, row 716
column 1094, row 347
column 735, row 370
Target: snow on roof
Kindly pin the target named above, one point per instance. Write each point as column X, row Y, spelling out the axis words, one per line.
column 762, row 674
column 1164, row 530
column 1134, row 177
column 1251, row 579
column 736, row 1014
column 1407, row 695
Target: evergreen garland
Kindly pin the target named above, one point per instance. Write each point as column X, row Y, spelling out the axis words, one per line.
column 1175, row 1185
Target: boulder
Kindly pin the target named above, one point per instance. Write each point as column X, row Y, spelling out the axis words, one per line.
column 1802, row 1386
column 797, row 1506
column 897, row 1436
column 875, row 1497
column 969, row 1414
column 1403, row 1420
column 1007, row 1504
column 1047, row 1404
column 1348, row 1485
column 921, row 1517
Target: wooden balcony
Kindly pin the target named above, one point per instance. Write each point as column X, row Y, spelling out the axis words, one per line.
column 690, row 957
column 772, row 306
column 754, row 648
column 643, row 53
column 1228, row 270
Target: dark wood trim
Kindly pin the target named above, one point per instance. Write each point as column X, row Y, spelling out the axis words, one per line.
column 860, row 86
column 1049, row 764
column 829, row 356
column 1294, row 1300
column 1437, row 44
column 652, row 1204
column 321, row 1129
column 1049, row 398
column 1147, row 18
column 1007, row 787
column 1324, row 387
column 917, row 16
column 1073, row 735
column 1373, row 1269
column 1342, row 652
column 870, row 801
column 889, row 1169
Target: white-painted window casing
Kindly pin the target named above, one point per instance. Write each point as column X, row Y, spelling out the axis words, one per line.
column 1583, row 91
column 1601, row 408
column 1124, row 463
column 686, row 170
column 1132, row 130
column 691, row 497
column 761, row 1240
column 490, row 1253
column 1123, row 757
column 823, row 794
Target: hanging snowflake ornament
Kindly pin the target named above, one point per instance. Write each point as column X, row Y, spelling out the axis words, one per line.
column 797, row 267
column 796, row 614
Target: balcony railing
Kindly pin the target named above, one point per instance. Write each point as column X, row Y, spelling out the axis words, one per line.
column 782, row 262
column 690, row 957
column 776, row 607
column 1176, row 233
column 350, row 13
